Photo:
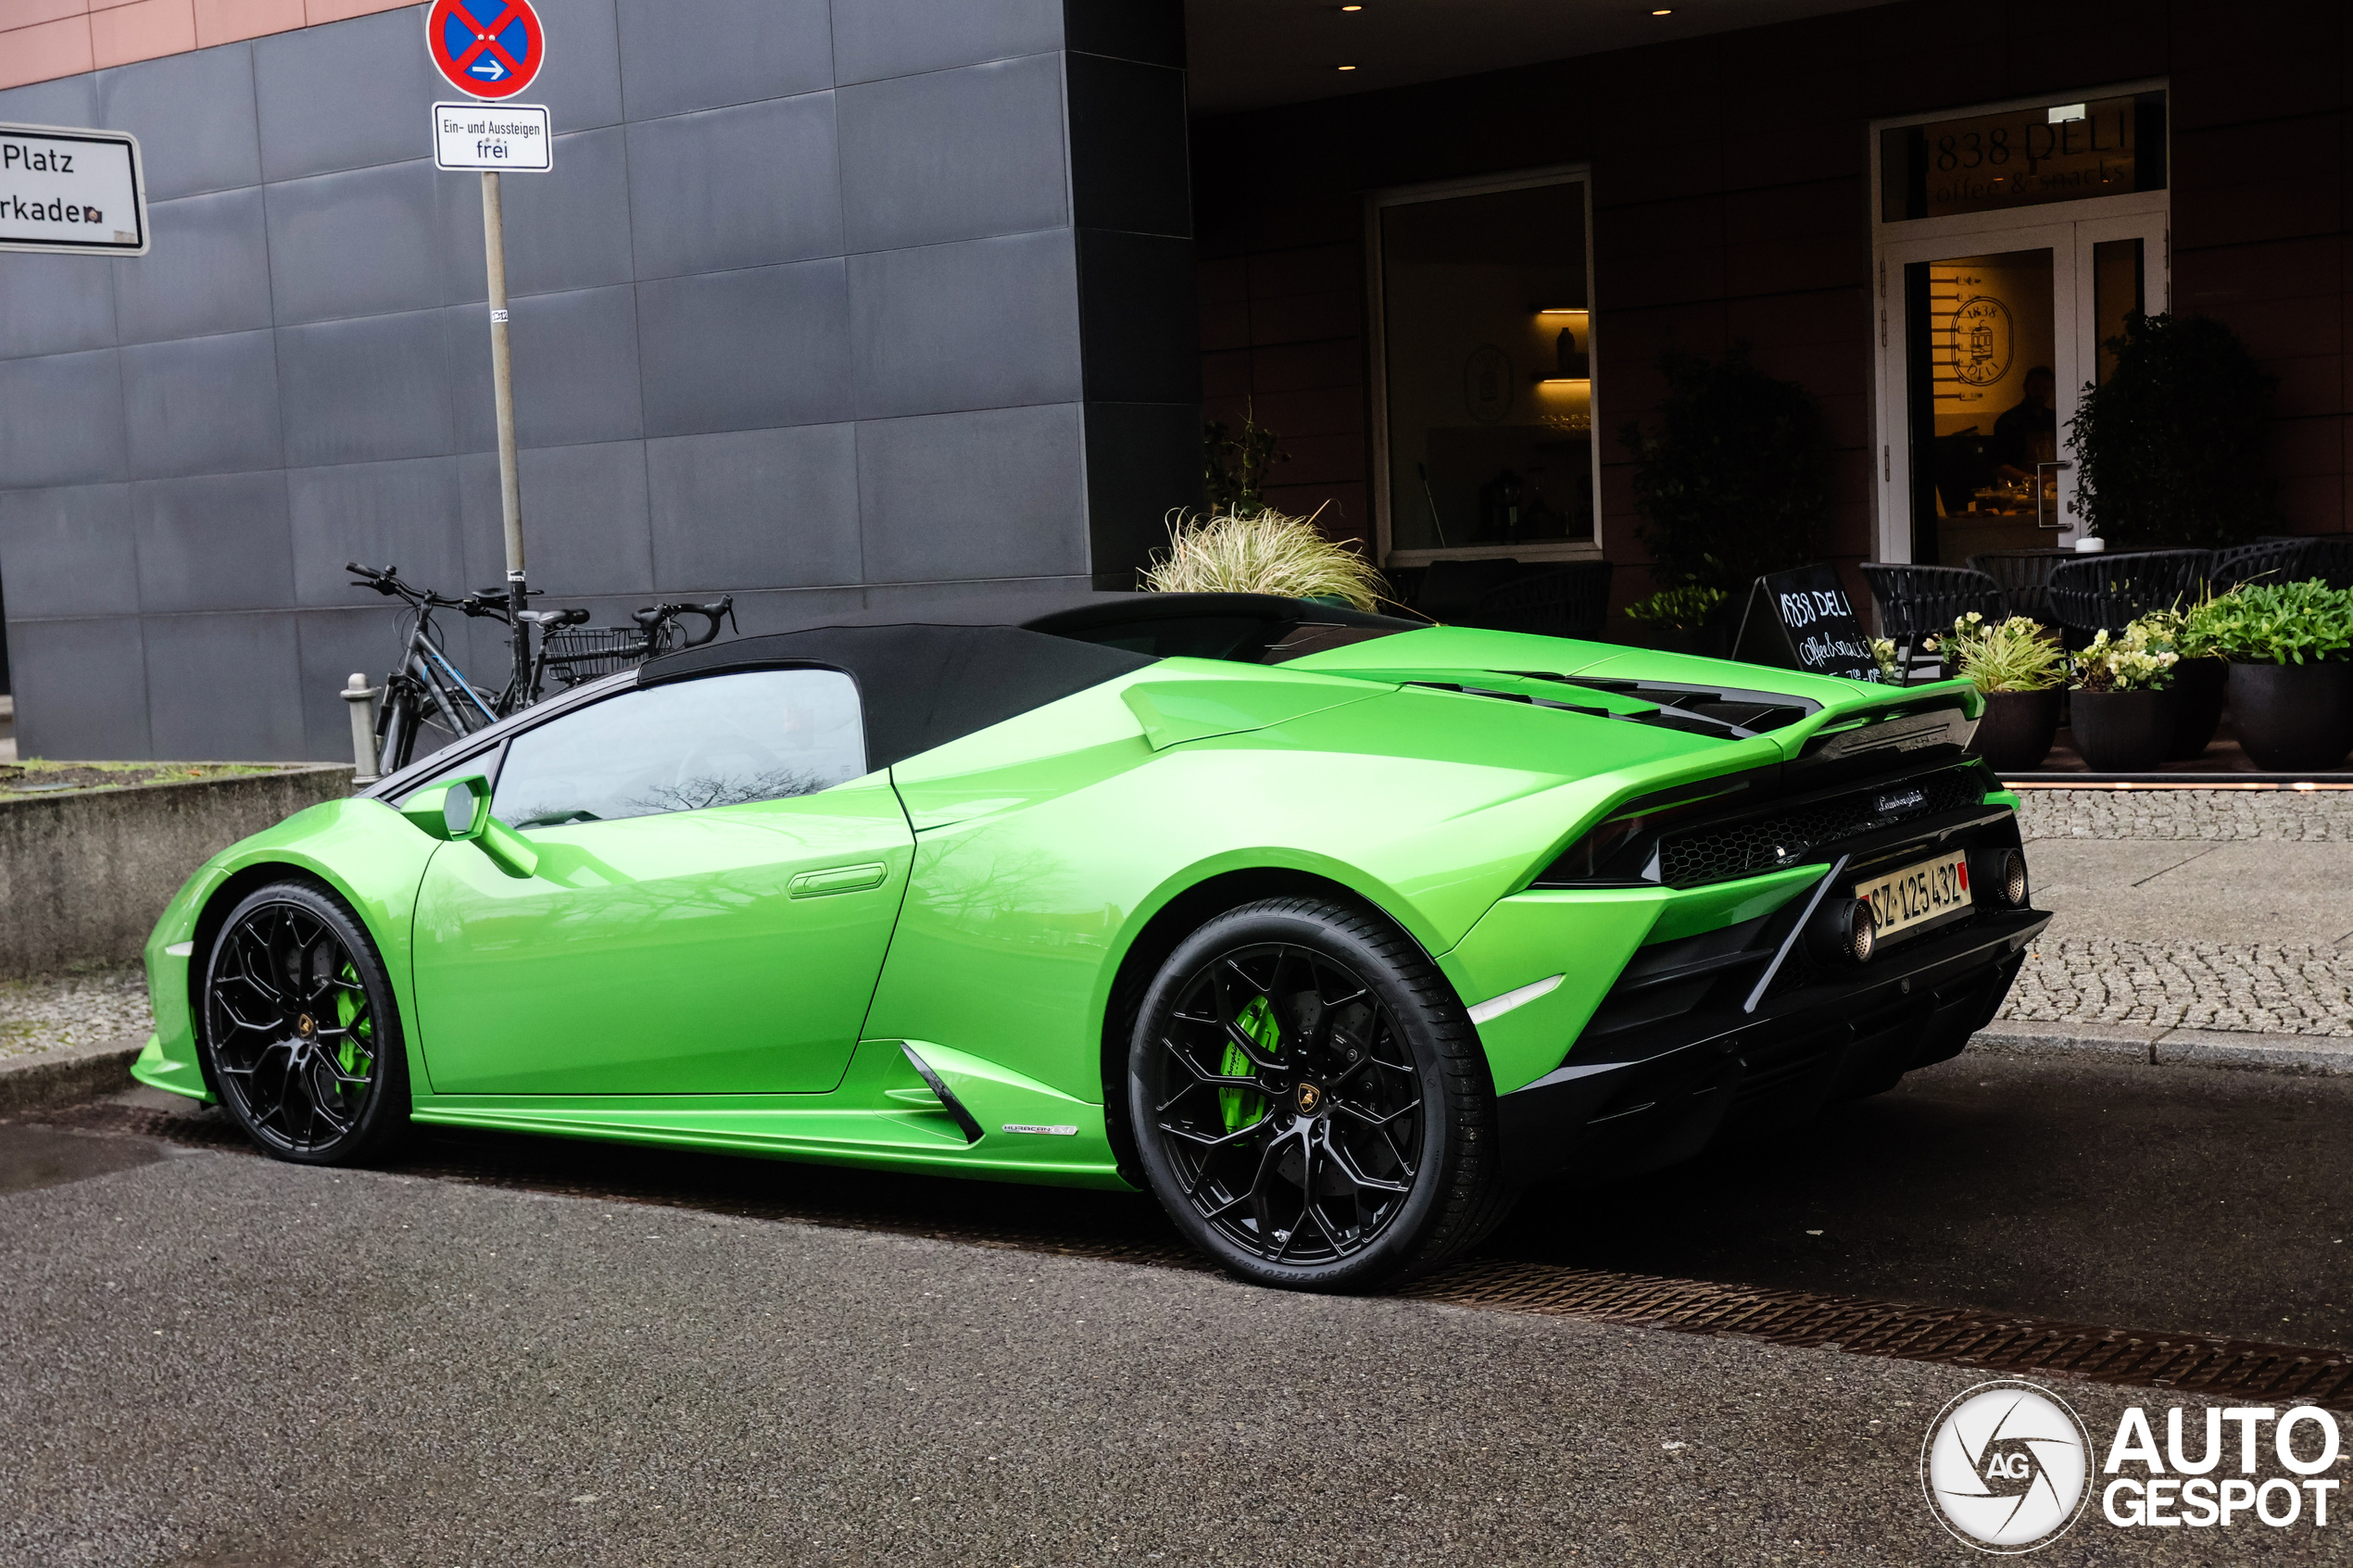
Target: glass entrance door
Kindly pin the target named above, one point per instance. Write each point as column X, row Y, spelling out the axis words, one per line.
column 1993, row 336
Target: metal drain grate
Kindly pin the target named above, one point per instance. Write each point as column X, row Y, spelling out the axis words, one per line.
column 1944, row 1336
column 1949, row 1336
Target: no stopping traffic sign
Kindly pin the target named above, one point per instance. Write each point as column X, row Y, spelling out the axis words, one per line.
column 487, row 48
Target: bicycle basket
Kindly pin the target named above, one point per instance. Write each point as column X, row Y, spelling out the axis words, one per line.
column 583, row 653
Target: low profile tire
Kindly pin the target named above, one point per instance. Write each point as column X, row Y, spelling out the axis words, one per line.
column 1310, row 1102
column 299, row 1031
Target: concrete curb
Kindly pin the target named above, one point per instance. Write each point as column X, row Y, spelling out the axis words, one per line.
column 42, row 1079
column 2327, row 1055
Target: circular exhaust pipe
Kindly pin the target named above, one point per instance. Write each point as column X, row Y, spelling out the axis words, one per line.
column 2002, row 873
column 1842, row 932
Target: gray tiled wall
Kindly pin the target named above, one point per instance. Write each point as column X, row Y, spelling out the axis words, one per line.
column 883, row 299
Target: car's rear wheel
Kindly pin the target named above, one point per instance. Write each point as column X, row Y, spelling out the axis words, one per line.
column 300, row 1029
column 1309, row 1100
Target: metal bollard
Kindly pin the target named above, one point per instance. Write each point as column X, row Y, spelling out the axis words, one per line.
column 362, row 698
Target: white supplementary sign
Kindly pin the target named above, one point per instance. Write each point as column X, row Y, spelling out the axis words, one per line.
column 66, row 191
column 510, row 138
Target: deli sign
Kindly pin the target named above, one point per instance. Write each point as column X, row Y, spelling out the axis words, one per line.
column 1802, row 620
column 66, row 192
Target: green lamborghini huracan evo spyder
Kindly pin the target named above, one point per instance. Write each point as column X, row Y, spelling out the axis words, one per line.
column 1333, row 931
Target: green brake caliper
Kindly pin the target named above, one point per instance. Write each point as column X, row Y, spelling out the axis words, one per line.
column 1241, row 1107
column 347, row 1009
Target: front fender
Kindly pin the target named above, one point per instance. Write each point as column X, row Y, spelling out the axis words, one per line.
column 363, row 849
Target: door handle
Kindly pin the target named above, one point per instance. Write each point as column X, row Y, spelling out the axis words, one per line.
column 2055, row 469
column 837, row 879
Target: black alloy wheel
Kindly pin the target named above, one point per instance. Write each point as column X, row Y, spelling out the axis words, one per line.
column 300, row 1035
column 1310, row 1102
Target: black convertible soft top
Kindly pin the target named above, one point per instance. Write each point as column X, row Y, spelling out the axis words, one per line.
column 929, row 676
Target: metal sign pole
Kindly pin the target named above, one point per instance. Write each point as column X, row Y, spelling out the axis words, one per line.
column 494, row 244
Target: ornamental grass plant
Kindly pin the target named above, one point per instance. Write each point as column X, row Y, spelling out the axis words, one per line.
column 2015, row 655
column 1262, row 551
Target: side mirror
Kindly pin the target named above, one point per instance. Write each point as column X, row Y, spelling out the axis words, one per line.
column 459, row 812
column 453, row 811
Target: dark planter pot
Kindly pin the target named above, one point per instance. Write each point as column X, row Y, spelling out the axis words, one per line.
column 2294, row 718
column 2018, row 729
column 2195, row 699
column 2121, row 732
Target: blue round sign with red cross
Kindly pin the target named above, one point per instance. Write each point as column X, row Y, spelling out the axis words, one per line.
column 487, row 48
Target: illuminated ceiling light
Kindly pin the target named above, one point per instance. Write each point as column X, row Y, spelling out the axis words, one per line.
column 1664, row 11
column 1344, row 67
column 1351, row 8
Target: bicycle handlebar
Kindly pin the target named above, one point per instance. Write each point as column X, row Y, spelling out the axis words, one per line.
column 386, row 579
column 649, row 620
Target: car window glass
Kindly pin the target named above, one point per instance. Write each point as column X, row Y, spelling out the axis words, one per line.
column 483, row 763
column 759, row 734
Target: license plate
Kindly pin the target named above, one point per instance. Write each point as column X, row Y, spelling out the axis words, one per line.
column 1920, row 893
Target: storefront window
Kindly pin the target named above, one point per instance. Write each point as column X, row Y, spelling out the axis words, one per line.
column 1487, row 369
column 2023, row 157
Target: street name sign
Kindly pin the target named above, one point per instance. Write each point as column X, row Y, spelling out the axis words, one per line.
column 486, row 48
column 510, row 138
column 68, row 192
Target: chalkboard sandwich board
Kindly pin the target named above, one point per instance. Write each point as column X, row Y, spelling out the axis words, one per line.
column 1802, row 620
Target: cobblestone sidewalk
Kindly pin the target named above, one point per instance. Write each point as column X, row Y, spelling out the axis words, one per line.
column 2265, row 990
column 2306, row 816
column 73, row 1009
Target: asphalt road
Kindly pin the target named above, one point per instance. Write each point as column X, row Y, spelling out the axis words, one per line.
column 211, row 1359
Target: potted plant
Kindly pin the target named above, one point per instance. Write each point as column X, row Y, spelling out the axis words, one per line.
column 1680, row 619
column 2117, row 712
column 1263, row 551
column 2200, row 677
column 1734, row 481
column 2018, row 665
column 2162, row 446
column 2291, row 686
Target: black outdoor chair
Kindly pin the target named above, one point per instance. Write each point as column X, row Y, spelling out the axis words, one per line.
column 2325, row 556
column 2266, row 560
column 2025, row 578
column 2104, row 593
column 2331, row 559
column 1567, row 601
column 1924, row 601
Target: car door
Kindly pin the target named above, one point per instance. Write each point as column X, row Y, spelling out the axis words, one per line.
column 718, row 878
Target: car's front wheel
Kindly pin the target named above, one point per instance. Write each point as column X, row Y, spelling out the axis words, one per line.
column 300, row 1033
column 1309, row 1099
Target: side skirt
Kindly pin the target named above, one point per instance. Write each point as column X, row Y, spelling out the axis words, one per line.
column 884, row 1116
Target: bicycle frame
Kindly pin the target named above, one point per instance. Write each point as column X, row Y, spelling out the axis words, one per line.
column 428, row 686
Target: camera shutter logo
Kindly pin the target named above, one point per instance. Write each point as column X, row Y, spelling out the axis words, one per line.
column 2006, row 1467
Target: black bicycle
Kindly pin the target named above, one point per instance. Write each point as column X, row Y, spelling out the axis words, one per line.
column 429, row 702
